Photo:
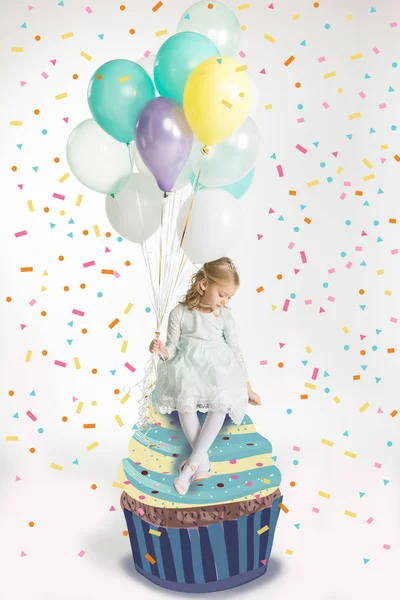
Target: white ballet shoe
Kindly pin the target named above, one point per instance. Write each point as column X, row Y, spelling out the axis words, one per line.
column 179, row 487
column 200, row 475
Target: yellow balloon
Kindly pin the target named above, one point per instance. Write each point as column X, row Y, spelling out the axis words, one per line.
column 216, row 99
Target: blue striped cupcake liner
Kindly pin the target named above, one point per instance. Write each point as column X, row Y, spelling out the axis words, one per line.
column 214, row 557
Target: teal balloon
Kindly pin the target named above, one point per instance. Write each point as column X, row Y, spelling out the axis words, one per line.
column 177, row 58
column 237, row 189
column 117, row 92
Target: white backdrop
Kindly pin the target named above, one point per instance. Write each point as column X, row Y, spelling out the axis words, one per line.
column 326, row 366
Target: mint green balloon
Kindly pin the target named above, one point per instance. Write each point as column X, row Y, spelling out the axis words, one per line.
column 117, row 92
column 177, row 58
column 237, row 188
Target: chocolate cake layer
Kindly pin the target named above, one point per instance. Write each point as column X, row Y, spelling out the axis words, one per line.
column 198, row 515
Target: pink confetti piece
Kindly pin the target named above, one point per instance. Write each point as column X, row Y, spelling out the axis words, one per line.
column 349, row 265
column 30, row 7
column 60, row 364
column 378, row 465
column 291, row 245
column 32, row 302
column 394, row 24
column 331, row 299
column 31, row 415
column 280, row 170
column 383, row 105
column 89, row 264
column 263, row 362
column 376, row 50
column 116, row 274
column 394, row 251
column 386, row 546
column 53, row 61
column 80, row 313
column 20, row 233
column 315, row 373
column 296, row 448
column 308, row 301
column 362, row 95
column 358, row 248
column 59, row 196
column 303, row 257
column 315, row 509
column 301, row 120
column 393, row 320
column 242, row 54
column 129, row 366
column 321, row 59
column 325, row 105
column 141, row 511
column 370, row 520
column 88, row 10
column 263, row 72
column 81, row 553
column 303, row 150
column 343, row 196
column 330, row 271
column 44, row 75
column 286, row 305
column 147, row 54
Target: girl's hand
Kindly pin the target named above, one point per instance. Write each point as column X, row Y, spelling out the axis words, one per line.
column 254, row 398
column 156, row 345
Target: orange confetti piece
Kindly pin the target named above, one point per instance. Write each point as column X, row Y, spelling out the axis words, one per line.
column 150, row 558
column 288, row 61
column 157, row 6
column 89, row 425
column 283, row 507
column 114, row 323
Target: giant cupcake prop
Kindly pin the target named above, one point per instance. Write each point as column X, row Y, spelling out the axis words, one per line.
column 217, row 536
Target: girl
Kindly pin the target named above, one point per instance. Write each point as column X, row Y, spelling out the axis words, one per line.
column 203, row 367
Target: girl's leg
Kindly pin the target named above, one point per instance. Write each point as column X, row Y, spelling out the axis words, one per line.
column 212, row 426
column 191, row 428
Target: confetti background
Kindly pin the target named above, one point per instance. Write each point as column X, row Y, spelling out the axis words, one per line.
column 317, row 313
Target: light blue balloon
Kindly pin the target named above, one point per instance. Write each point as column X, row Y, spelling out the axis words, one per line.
column 177, row 58
column 237, row 188
column 117, row 92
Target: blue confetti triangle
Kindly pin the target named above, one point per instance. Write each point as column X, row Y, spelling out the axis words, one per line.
column 32, row 393
column 380, row 191
column 24, row 25
column 390, row 89
column 378, row 331
column 350, row 136
column 346, row 433
column 361, row 494
column 363, row 306
column 371, row 130
column 366, row 76
column 364, row 367
column 273, row 155
column 305, row 362
column 366, row 203
column 71, row 235
column 303, row 206
column 69, row 342
column 366, row 560
column 16, row 416
column 61, row 3
column 71, row 323
column 377, row 379
column 52, row 225
column 75, row 462
column 100, row 35
column 386, row 481
column 219, row 60
column 71, row 222
column 187, row 17
column 303, row 43
column 113, row 371
column 326, row 374
column 373, row 9
column 362, row 264
column 297, row 525
column 316, row 144
column 119, row 336
column 19, row 146
column 35, row 169
column 379, row 239
column 281, row 218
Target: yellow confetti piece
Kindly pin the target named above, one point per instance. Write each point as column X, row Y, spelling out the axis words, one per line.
column 125, row 78
column 162, row 32
column 79, row 408
column 324, row 495
column 327, row 442
column 85, row 55
column 92, row 446
column 381, row 272
column 290, row 552
column 296, row 17
column 66, row 35
column 345, row 329
column 356, row 56
column 356, row 115
column 64, row 177
column 16, row 49
column 268, row 106
column 128, row 308
column 311, row 386
column 79, row 200
column 154, row 532
column 125, row 398
column 350, row 454
column 263, row 530
column 350, row 514
column 116, row 484
column 77, row 363
column 339, row 170
column 367, row 163
column 312, row 183
column 308, row 349
column 16, row 123
column 96, row 230
column 11, row 438
column 244, row 6
column 336, row 399
column 119, row 420
column 267, row 481
column 150, row 558
column 30, row 206
column 28, row 356
column 364, row 407
column 226, row 103
column 61, row 96
column 368, row 177
column 241, row 68
column 329, row 75
column 54, row 466
column 384, row 147
column 269, row 38
column 124, row 346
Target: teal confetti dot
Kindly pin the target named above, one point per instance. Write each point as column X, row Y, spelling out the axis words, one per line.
column 376, row 223
column 374, row 348
column 343, row 254
column 390, row 444
column 99, row 294
column 292, row 295
column 329, row 179
column 300, row 106
column 393, row 127
column 148, row 309
column 322, row 165
column 44, row 131
column 296, row 462
column 395, row 65
column 120, row 239
column 327, row 390
column 325, row 284
column 296, row 229
column 40, row 430
column 346, row 347
column 347, row 222
column 327, row 26
column 289, row 411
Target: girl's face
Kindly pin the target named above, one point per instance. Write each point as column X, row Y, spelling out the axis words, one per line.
column 217, row 295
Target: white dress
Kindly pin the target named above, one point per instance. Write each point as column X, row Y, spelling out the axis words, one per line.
column 205, row 369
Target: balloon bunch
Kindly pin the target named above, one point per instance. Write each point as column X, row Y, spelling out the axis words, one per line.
column 173, row 146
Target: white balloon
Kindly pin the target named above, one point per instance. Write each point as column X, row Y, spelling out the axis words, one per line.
column 96, row 159
column 140, row 196
column 214, row 226
column 230, row 160
column 183, row 177
column 147, row 63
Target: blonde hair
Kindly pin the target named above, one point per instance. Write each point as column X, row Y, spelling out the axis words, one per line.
column 218, row 272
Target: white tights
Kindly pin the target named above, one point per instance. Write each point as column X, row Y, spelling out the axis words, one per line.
column 200, row 438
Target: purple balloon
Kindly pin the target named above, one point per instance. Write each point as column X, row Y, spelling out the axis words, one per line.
column 163, row 139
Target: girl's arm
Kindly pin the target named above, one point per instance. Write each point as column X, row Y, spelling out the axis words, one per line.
column 231, row 338
column 173, row 332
